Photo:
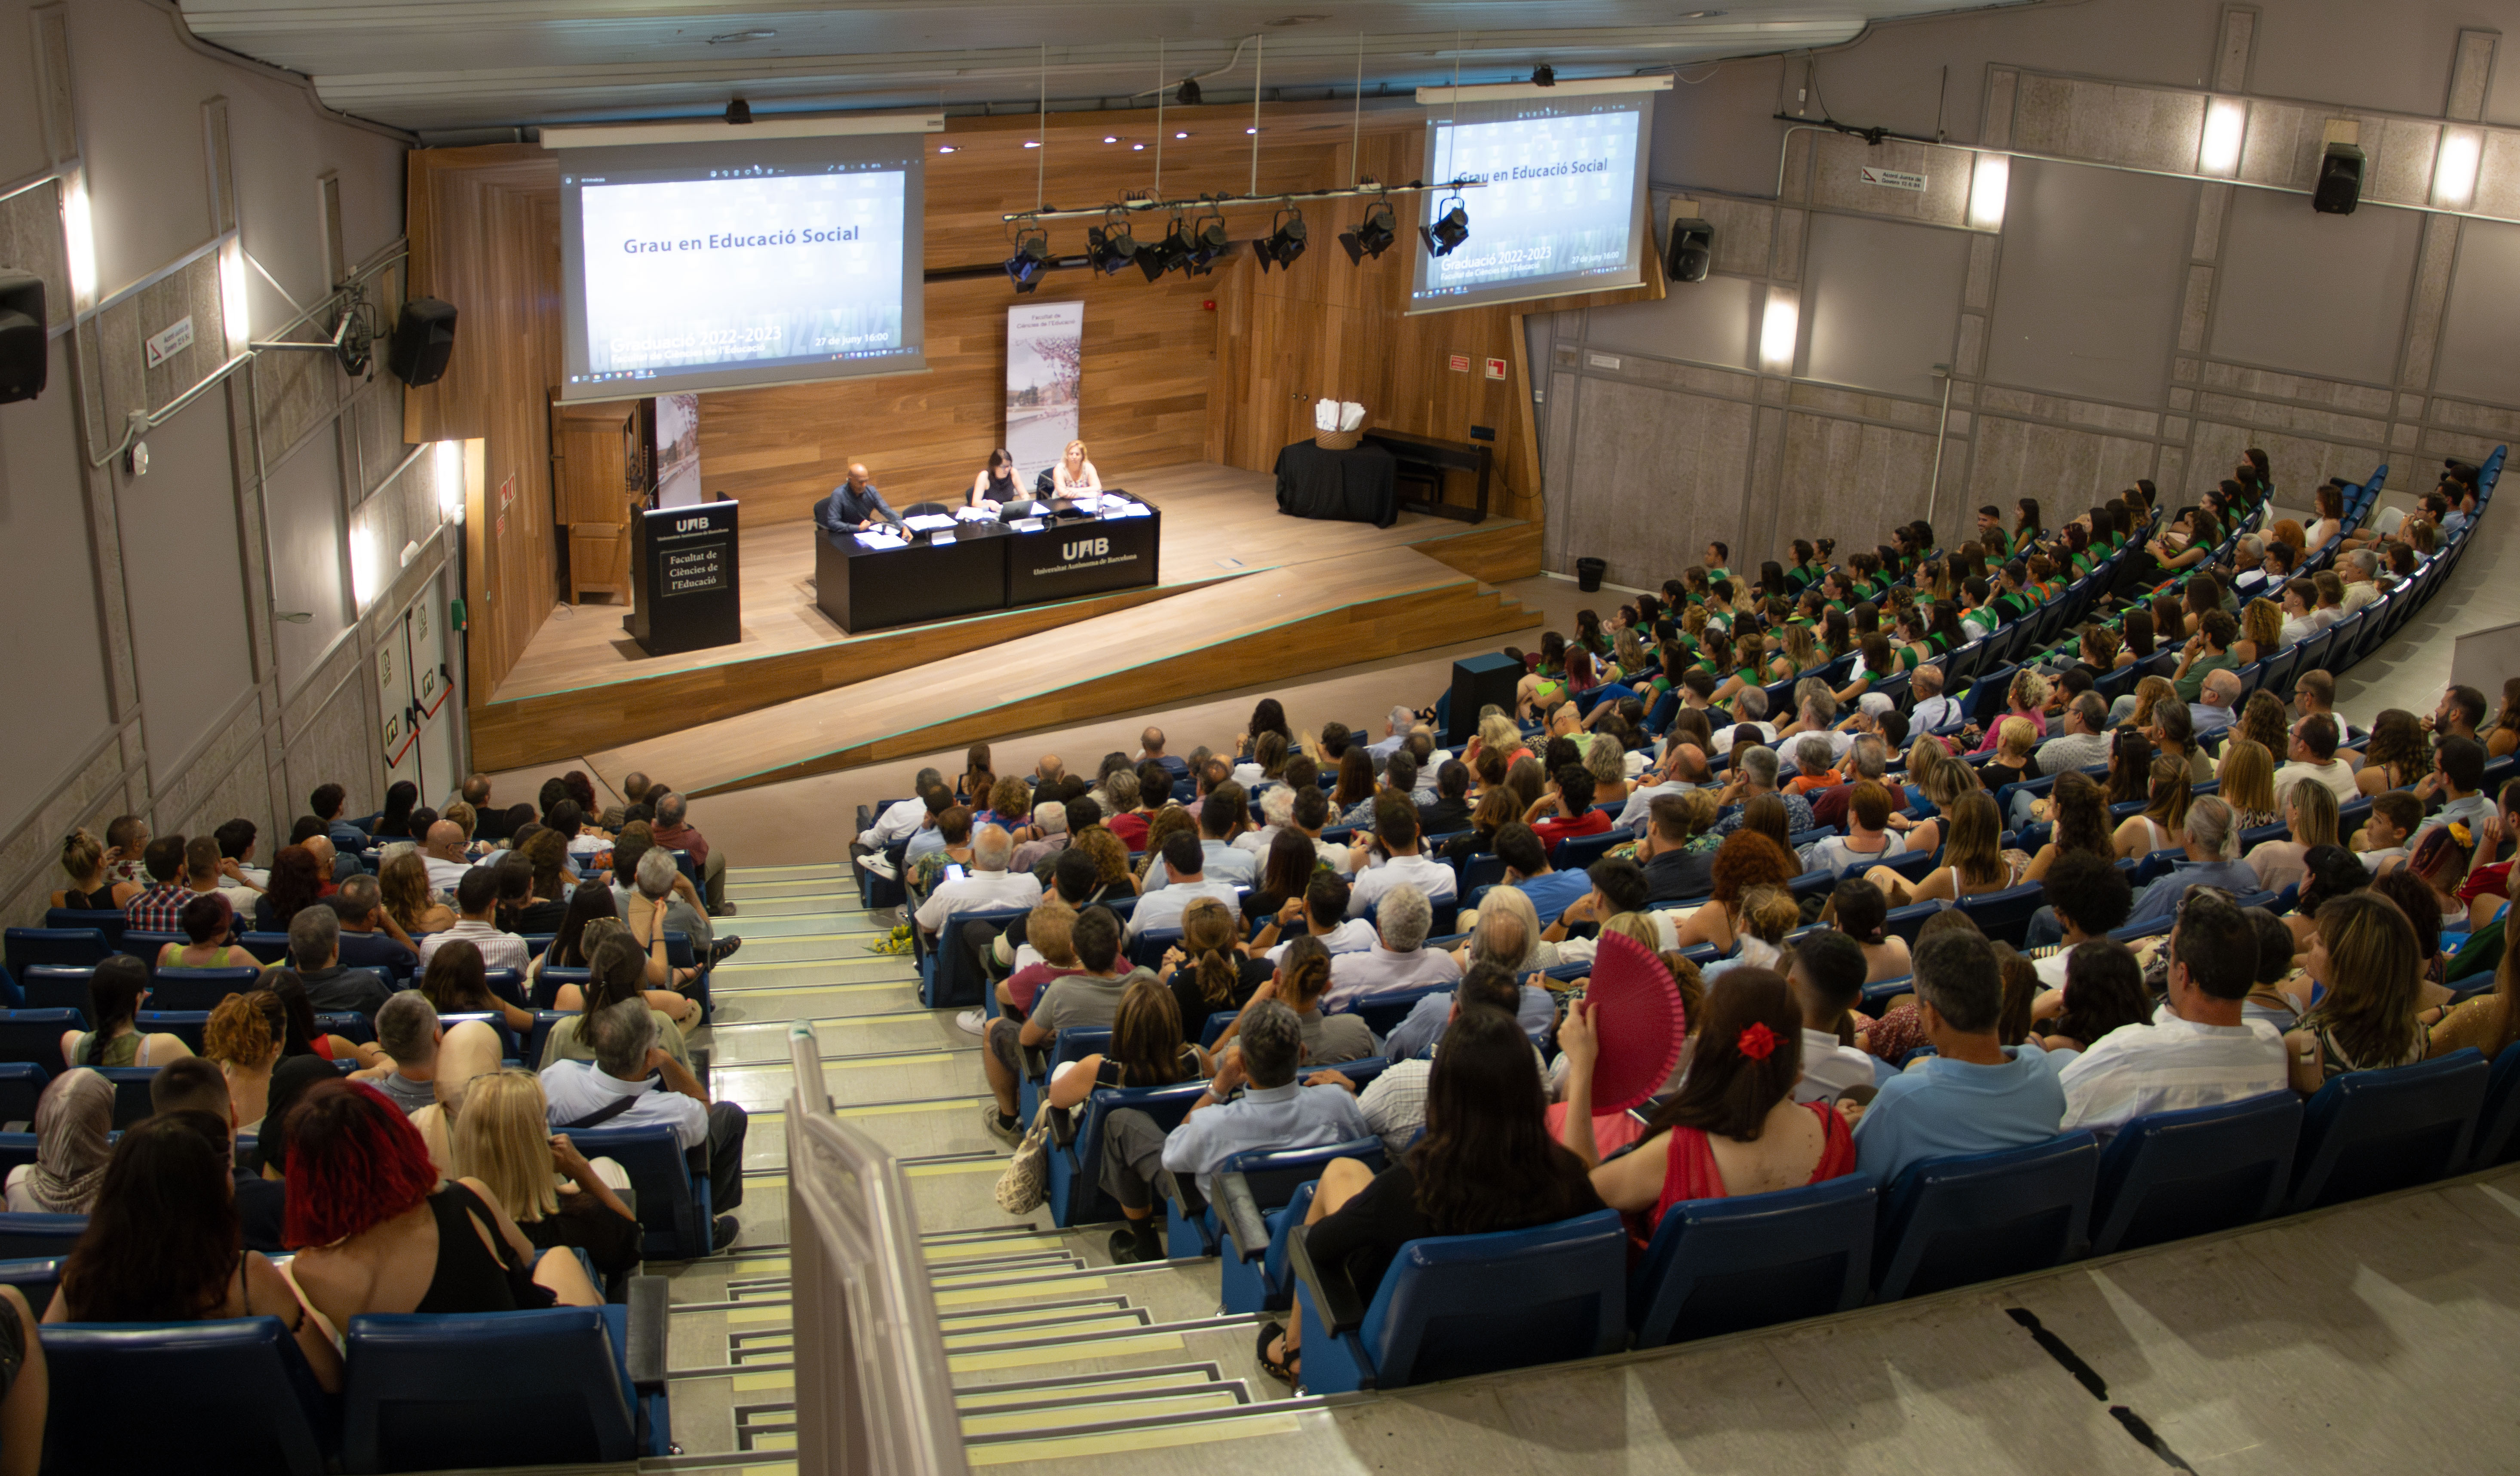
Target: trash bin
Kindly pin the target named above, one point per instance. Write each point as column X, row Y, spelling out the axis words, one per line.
column 1589, row 572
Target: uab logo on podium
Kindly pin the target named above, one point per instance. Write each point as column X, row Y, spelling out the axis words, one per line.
column 1085, row 548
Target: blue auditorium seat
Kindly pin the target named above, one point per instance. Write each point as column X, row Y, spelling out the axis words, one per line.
column 34, row 1036
column 2370, row 1131
column 197, row 988
column 17, row 1149
column 36, row 1279
column 69, row 946
column 222, row 1396
column 674, row 1208
column 1907, row 921
column 1384, row 1012
column 949, row 977
column 2005, row 915
column 1975, row 1217
column 1718, row 1265
column 191, row 1026
column 130, row 1091
column 2167, row 1176
column 547, row 984
column 23, row 1237
column 2495, row 1135
column 1076, row 1194
column 1269, row 1179
column 21, row 1084
column 1070, row 1045
column 53, row 986
column 432, row 1392
column 1457, row 1305
column 111, row 924
column 1147, row 949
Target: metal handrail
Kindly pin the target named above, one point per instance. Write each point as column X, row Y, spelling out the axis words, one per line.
column 874, row 1394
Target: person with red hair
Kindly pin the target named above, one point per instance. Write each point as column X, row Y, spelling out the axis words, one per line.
column 376, row 1230
column 1747, row 859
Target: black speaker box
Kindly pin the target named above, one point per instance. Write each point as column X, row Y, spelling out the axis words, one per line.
column 1478, row 682
column 1692, row 253
column 423, row 339
column 2340, row 181
column 25, row 357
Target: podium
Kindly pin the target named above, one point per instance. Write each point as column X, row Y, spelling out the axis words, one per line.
column 682, row 562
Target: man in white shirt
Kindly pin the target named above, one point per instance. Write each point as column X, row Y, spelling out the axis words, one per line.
column 990, row 886
column 1395, row 833
column 1162, row 909
column 443, row 854
column 1321, row 913
column 477, row 900
column 902, row 816
column 1818, row 720
column 1221, row 817
column 2314, row 758
column 1934, row 712
column 1828, row 977
column 2084, row 743
column 2199, row 1050
column 1399, row 959
column 2217, row 698
column 634, row 1083
column 2362, row 578
column 1750, row 706
column 1395, row 735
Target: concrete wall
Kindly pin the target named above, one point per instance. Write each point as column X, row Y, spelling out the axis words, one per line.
column 2112, row 325
column 147, row 672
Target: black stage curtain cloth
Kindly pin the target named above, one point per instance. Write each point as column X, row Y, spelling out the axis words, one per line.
column 1348, row 486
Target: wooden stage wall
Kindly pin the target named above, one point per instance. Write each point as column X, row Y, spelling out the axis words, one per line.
column 1222, row 368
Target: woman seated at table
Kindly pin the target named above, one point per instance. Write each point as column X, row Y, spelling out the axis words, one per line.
column 1074, row 475
column 996, row 485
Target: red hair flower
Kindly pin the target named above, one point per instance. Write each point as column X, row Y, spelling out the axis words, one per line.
column 1758, row 1041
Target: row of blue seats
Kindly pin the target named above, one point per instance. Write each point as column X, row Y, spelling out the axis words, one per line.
column 1459, row 1305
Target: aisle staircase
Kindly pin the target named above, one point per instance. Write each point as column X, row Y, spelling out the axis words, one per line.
column 1056, row 1351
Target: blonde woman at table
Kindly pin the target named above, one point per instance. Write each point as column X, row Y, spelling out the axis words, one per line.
column 994, row 486
column 1074, row 475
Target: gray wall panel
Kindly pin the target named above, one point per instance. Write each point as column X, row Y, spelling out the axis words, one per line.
column 2320, row 294
column 2086, row 302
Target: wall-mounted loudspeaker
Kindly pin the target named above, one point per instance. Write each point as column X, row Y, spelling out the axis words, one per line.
column 2340, row 180
column 24, row 354
column 423, row 339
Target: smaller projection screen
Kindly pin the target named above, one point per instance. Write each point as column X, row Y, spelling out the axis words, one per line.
column 1563, row 207
column 691, row 266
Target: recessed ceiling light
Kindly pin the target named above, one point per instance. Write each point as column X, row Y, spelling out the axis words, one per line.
column 944, row 148
column 1250, row 130
column 1110, row 138
column 1138, row 148
column 1181, row 135
column 732, row 37
column 1033, row 143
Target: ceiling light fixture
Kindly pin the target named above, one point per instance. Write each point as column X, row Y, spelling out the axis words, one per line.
column 944, row 148
column 1030, row 259
column 1544, row 75
column 738, row 111
column 1110, row 138
column 1373, row 236
column 1170, row 255
column 1451, row 228
column 1208, row 243
column 1181, row 135
column 1188, row 96
column 1285, row 240
column 1033, row 143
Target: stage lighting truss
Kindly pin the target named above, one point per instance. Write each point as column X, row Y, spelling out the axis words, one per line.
column 1110, row 247
column 1285, row 240
column 1375, row 234
column 1171, row 254
column 1452, row 227
column 1031, row 255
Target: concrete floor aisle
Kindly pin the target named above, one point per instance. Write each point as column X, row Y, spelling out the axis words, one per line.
column 1056, row 1353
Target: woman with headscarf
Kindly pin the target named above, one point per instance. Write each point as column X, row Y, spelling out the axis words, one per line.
column 72, row 1119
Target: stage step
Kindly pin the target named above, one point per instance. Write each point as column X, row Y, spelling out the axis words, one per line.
column 1289, row 622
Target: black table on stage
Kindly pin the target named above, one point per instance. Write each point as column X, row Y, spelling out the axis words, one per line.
column 984, row 566
column 1348, row 486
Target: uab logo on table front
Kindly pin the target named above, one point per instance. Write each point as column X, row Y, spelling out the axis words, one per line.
column 1085, row 548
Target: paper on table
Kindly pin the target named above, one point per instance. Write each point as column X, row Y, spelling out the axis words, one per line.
column 974, row 514
column 927, row 522
column 880, row 539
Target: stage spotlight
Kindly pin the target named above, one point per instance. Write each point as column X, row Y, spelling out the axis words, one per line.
column 1208, row 243
column 1544, row 75
column 1110, row 247
column 1449, row 231
column 1375, row 235
column 1187, row 97
column 1030, row 260
column 1285, row 240
column 1170, row 255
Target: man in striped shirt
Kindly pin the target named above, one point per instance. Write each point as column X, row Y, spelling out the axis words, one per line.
column 161, row 909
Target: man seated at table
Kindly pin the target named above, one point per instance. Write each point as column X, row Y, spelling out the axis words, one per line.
column 854, row 504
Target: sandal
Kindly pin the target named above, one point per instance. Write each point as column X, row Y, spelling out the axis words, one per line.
column 1281, row 1370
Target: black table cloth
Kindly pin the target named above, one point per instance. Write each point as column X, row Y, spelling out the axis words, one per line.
column 1348, row 486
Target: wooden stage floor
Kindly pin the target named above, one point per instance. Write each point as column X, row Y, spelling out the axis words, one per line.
column 584, row 687
column 1219, row 522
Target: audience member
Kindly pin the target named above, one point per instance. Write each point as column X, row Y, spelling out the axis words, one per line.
column 1087, row 1000
column 502, row 1138
column 2199, row 1050
column 2212, row 858
column 74, row 1128
column 195, row 1085
column 159, row 908
column 1187, row 859
column 1390, row 858
column 115, row 989
column 1826, row 972
column 1974, row 1094
column 634, row 1083
column 2366, row 955
column 476, row 899
column 1399, row 958
column 315, row 948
